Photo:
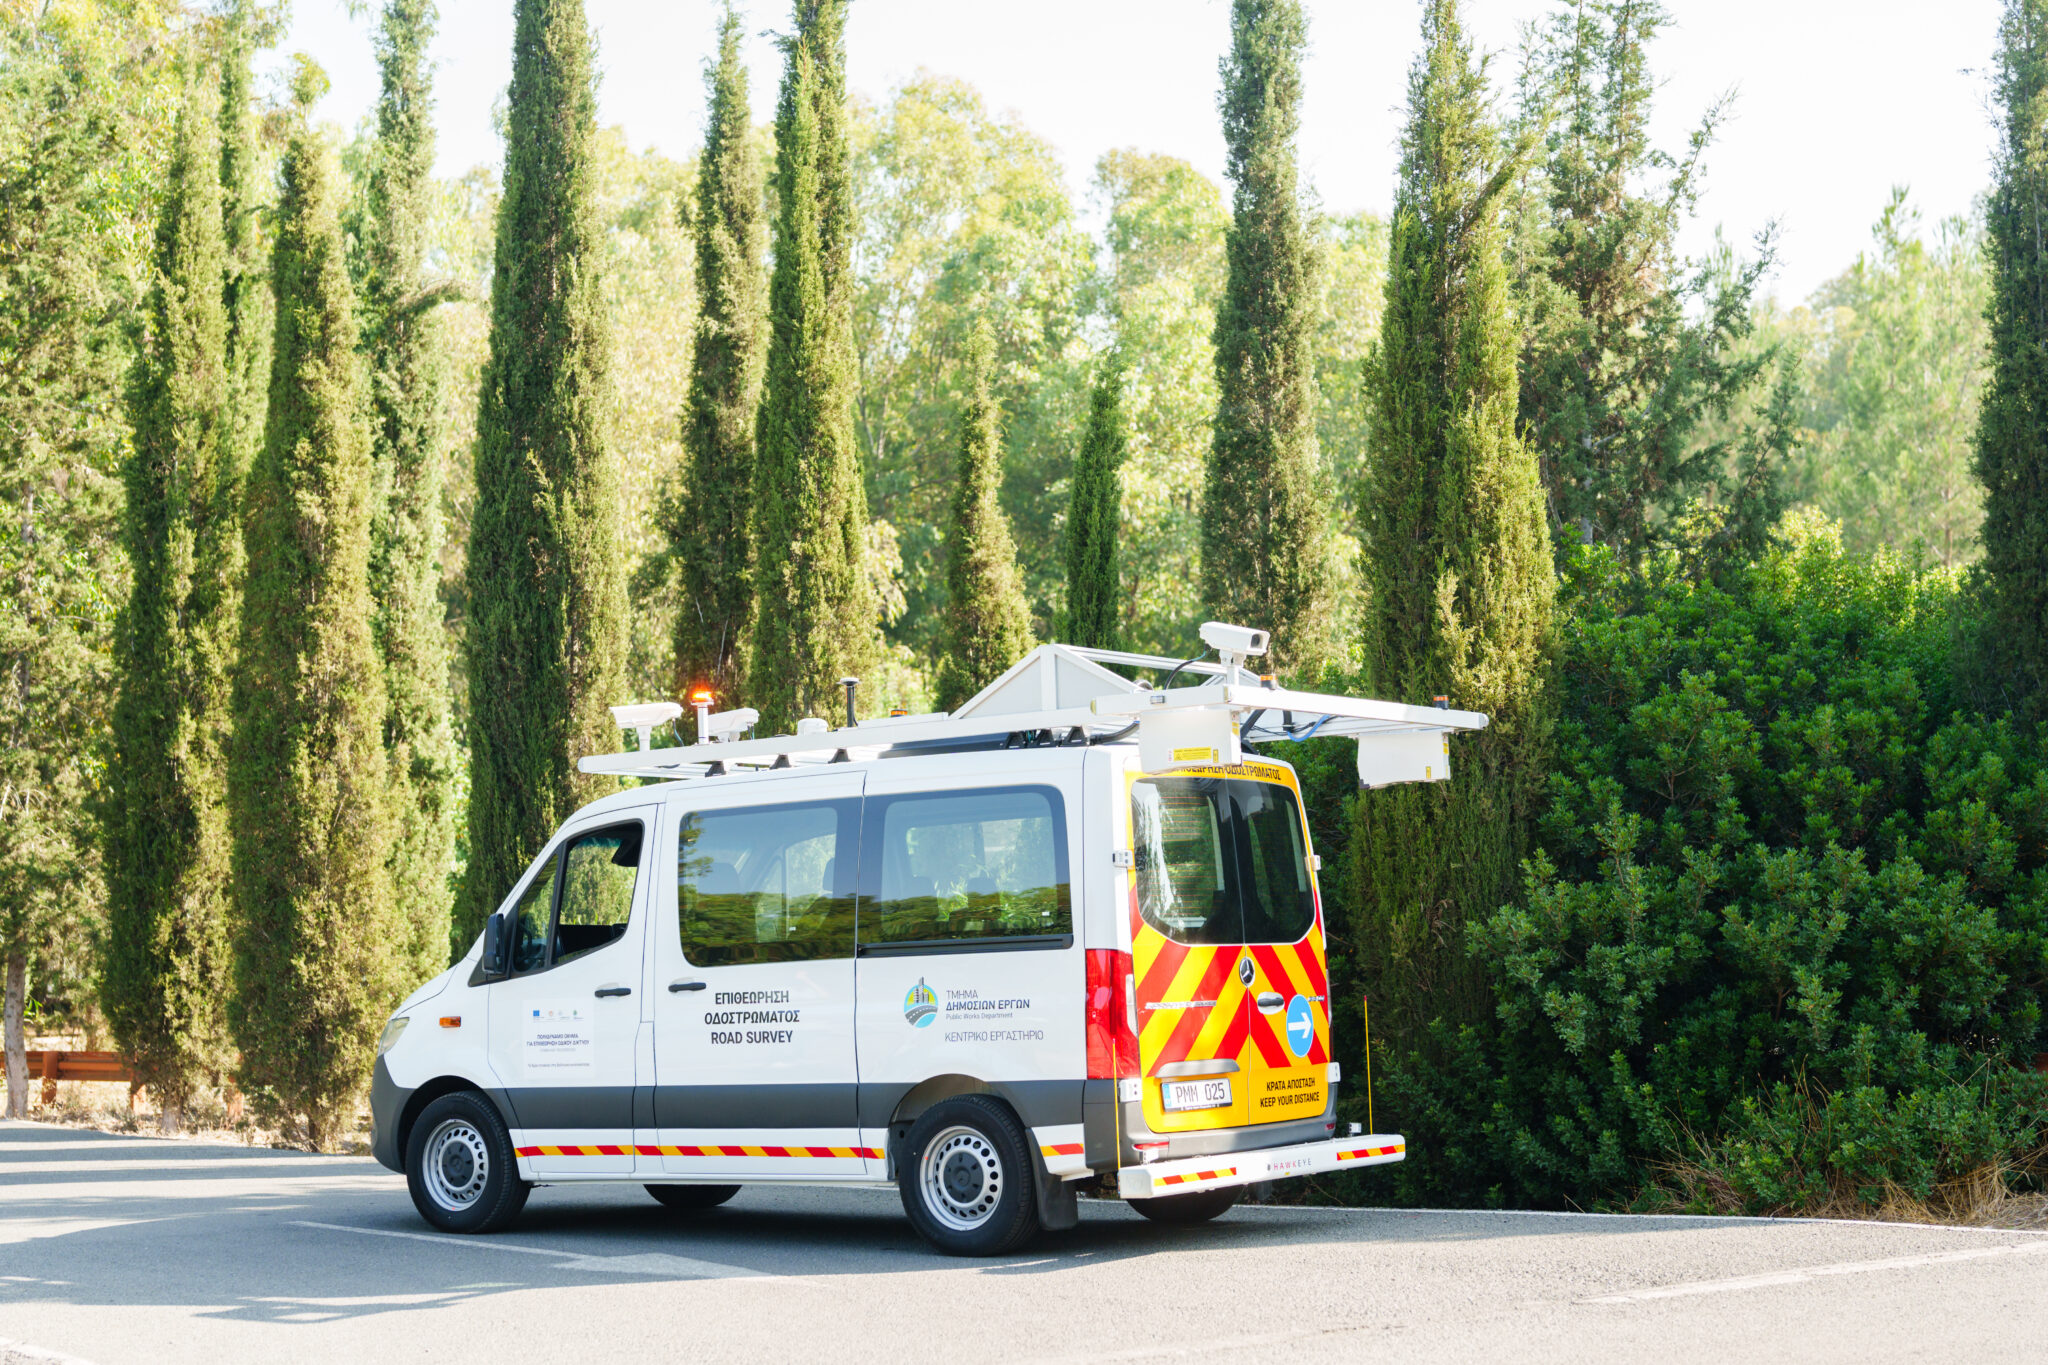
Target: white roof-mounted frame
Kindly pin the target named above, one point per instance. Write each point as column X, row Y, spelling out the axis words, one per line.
column 1064, row 694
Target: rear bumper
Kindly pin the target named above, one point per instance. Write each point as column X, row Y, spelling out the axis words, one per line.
column 1268, row 1163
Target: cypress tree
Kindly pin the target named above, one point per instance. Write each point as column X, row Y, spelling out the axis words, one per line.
column 988, row 621
column 407, row 377
column 709, row 539
column 245, row 284
column 547, row 589
column 314, row 968
column 815, row 615
column 2012, row 429
column 1456, row 556
column 1265, row 515
column 165, row 971
column 1094, row 508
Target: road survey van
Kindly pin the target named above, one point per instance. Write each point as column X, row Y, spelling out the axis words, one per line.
column 1069, row 930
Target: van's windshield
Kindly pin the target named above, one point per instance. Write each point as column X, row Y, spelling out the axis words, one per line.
column 1220, row 860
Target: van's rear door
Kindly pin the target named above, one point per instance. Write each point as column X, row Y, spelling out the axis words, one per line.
column 1225, row 936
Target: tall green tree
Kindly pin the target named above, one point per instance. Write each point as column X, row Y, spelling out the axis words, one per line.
column 2013, row 428
column 86, row 102
column 1094, row 510
column 164, row 976
column 1629, row 352
column 709, row 538
column 407, row 368
column 315, row 967
column 1266, row 552
column 1895, row 375
column 547, row 600
column 245, row 175
column 1460, row 589
column 814, row 607
column 988, row 621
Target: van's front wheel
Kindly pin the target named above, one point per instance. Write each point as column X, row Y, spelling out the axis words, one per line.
column 965, row 1176
column 460, row 1166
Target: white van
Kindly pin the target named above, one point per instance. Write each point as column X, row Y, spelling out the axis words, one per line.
column 1071, row 929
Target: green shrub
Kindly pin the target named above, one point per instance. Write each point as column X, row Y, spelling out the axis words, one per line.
column 1783, row 934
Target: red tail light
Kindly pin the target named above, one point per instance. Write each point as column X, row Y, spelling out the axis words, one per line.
column 1112, row 1033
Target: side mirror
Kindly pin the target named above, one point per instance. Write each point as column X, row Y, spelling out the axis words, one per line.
column 495, row 944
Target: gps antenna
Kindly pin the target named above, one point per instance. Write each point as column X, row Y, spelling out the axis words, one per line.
column 849, row 684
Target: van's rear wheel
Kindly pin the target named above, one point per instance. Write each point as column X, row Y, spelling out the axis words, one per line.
column 965, row 1175
column 460, row 1166
column 1183, row 1210
column 692, row 1198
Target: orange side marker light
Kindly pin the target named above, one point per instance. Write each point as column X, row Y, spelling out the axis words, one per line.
column 451, row 1021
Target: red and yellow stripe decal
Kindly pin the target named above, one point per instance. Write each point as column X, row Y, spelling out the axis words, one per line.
column 1192, row 1176
column 1354, row 1153
column 1060, row 1149
column 872, row 1153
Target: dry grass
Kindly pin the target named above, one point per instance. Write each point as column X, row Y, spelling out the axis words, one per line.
column 1983, row 1197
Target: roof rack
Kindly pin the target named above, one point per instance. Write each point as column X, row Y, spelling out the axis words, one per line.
column 1062, row 694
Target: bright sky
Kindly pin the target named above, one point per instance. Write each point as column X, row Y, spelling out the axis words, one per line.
column 1837, row 100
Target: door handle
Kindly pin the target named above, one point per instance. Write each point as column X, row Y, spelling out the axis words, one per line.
column 675, row 986
column 603, row 991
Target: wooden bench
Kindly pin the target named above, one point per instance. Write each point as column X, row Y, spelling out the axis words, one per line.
column 54, row 1066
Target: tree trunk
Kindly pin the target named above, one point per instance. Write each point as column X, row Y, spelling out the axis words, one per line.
column 17, row 1046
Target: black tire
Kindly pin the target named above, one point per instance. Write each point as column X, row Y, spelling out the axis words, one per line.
column 692, row 1198
column 1185, row 1210
column 977, row 1198
column 461, row 1167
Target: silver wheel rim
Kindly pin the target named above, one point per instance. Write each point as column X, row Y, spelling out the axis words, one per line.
column 961, row 1178
column 456, row 1164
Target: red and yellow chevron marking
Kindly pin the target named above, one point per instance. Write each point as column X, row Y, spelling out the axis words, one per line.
column 1060, row 1149
column 1354, row 1153
column 873, row 1153
column 1292, row 969
column 1192, row 1176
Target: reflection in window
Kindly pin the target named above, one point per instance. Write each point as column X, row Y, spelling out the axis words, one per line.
column 598, row 873
column 969, row 864
column 1221, row 860
column 767, row 884
column 530, row 921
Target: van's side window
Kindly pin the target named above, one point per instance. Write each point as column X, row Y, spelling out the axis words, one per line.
column 978, row 864
column 530, row 921
column 598, row 873
column 767, row 883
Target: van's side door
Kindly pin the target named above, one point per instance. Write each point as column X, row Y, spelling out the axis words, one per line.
column 565, row 1023
column 753, row 981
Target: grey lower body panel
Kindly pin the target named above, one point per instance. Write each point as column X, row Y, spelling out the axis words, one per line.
column 387, row 1104
column 824, row 1105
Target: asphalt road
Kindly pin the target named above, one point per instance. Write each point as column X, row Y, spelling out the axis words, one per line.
column 135, row 1249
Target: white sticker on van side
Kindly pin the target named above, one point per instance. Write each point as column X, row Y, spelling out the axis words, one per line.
column 559, row 1037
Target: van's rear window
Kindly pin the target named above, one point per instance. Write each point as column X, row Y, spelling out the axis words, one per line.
column 1220, row 860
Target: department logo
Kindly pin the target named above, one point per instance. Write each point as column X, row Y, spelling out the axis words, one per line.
column 920, row 1005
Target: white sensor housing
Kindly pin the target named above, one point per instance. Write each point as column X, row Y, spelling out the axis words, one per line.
column 644, row 717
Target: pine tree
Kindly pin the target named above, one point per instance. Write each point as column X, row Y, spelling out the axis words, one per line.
column 988, row 621
column 815, row 616
column 547, row 589
column 1457, row 564
column 709, row 539
column 1094, row 509
column 407, row 376
column 1265, row 514
column 1627, row 357
column 2012, row 431
column 246, row 283
column 164, row 974
column 314, row 960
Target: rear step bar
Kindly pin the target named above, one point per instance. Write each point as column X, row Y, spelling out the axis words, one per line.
column 1247, row 1168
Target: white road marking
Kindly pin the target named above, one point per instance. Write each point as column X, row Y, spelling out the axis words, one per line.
column 1802, row 1276
column 643, row 1263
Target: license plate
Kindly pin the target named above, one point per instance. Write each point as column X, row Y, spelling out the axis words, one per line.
column 1180, row 1095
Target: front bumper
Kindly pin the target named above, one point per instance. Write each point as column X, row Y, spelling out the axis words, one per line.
column 1269, row 1163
